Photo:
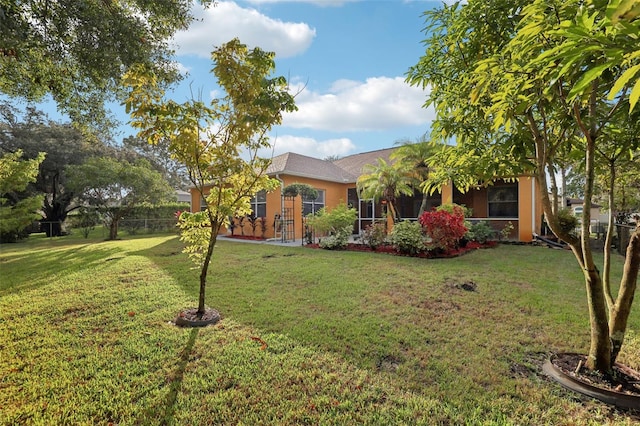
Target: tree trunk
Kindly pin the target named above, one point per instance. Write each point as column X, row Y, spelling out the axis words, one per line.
column 606, row 269
column 599, row 358
column 622, row 308
column 113, row 229
column 205, row 267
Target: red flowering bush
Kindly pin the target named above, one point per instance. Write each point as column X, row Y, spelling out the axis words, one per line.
column 444, row 226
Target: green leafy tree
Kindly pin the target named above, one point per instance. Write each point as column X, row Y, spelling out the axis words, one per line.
column 16, row 213
column 115, row 188
column 64, row 145
column 523, row 87
column 76, row 51
column 386, row 181
column 219, row 143
column 160, row 157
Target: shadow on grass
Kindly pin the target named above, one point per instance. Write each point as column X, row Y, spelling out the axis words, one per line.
column 177, row 377
column 33, row 268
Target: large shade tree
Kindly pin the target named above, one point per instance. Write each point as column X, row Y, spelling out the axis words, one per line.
column 524, row 86
column 116, row 187
column 64, row 145
column 218, row 143
column 77, row 51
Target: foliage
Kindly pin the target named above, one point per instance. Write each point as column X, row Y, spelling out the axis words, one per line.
column 505, row 232
column 408, row 237
column 64, row 145
column 16, row 213
column 386, row 182
column 77, row 51
column 115, row 188
column 338, row 239
column 307, row 192
column 86, row 219
column 567, row 221
column 263, row 226
column 160, row 157
column 444, row 226
column 530, row 87
column 209, row 140
column 375, row 235
column 415, row 155
column 480, row 231
column 334, row 221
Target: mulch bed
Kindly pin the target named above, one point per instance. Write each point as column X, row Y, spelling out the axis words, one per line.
column 623, row 379
column 246, row 237
column 389, row 249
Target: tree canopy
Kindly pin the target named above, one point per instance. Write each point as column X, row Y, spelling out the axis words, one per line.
column 77, row 51
column 116, row 187
column 17, row 212
column 526, row 88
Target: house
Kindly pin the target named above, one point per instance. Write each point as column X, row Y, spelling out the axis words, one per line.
column 502, row 203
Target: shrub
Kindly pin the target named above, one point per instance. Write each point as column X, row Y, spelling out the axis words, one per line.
column 479, row 232
column 444, row 226
column 334, row 221
column 568, row 221
column 337, row 240
column 375, row 235
column 407, row 236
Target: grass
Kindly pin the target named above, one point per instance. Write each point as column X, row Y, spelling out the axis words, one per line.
column 308, row 336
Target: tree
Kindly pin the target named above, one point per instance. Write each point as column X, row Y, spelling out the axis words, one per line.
column 78, row 50
column 16, row 213
column 115, row 188
column 523, row 86
column 414, row 155
column 385, row 181
column 160, row 158
column 64, row 145
column 218, row 144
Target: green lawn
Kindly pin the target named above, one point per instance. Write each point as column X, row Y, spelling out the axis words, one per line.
column 308, row 336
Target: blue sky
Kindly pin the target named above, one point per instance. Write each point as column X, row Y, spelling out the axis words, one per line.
column 350, row 56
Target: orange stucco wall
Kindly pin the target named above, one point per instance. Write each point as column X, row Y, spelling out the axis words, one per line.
column 335, row 193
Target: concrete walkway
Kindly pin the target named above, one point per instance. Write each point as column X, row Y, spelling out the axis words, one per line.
column 272, row 241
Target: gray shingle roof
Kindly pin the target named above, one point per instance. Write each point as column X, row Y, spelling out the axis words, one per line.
column 300, row 165
column 343, row 170
column 354, row 163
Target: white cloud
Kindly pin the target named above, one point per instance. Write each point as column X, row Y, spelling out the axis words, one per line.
column 217, row 25
column 310, row 147
column 379, row 103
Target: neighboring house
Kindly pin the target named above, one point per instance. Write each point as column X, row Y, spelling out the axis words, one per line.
column 335, row 181
column 576, row 206
column 183, row 196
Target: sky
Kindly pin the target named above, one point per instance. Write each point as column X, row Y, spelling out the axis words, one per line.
column 348, row 57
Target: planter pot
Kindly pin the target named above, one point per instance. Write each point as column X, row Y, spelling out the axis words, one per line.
column 190, row 318
column 612, row 397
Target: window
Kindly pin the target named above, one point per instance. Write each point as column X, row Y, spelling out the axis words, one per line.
column 312, row 206
column 203, row 204
column 503, row 200
column 259, row 204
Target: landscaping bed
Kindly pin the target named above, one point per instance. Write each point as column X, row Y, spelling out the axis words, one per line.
column 430, row 254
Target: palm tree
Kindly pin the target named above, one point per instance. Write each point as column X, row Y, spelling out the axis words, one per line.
column 385, row 181
column 414, row 155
